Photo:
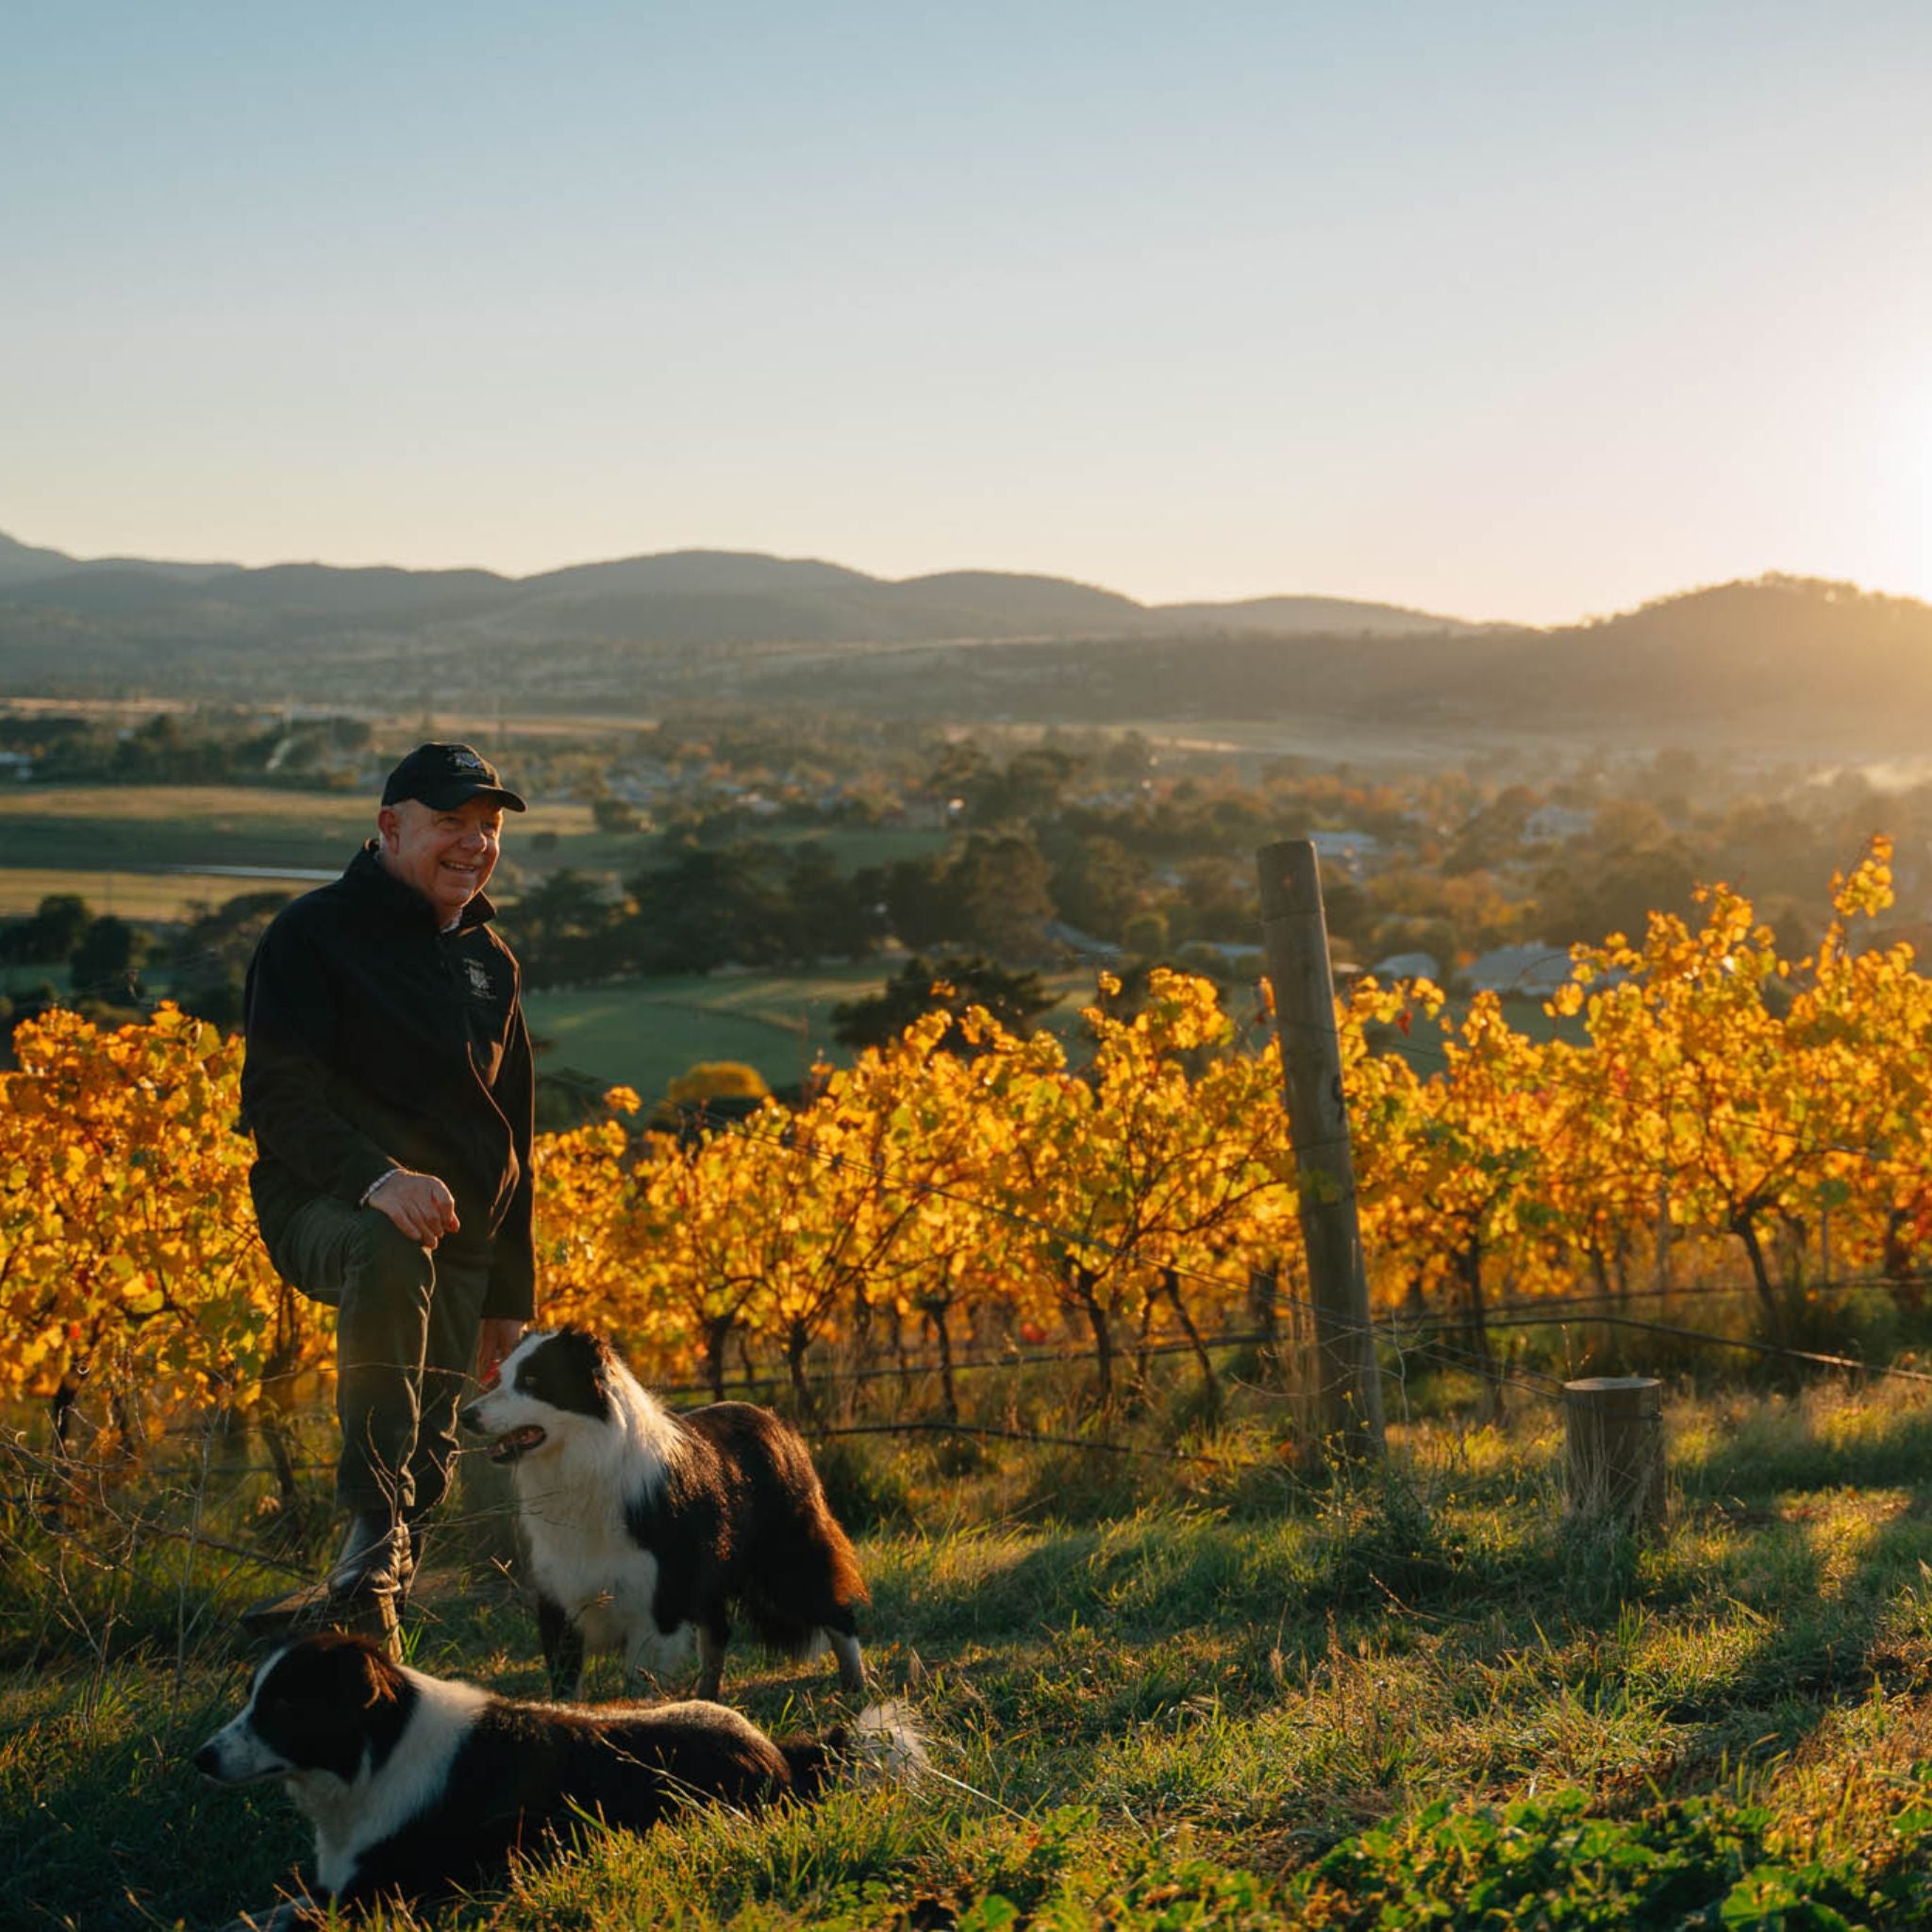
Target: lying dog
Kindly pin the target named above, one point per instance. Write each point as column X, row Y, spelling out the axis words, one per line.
column 645, row 1528
column 418, row 1787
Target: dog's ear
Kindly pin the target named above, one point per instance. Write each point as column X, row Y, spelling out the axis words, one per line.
column 604, row 1360
column 596, row 1353
column 375, row 1680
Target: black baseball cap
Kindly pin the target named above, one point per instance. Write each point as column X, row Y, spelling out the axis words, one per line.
column 446, row 775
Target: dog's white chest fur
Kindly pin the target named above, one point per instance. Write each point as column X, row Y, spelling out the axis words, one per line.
column 584, row 1558
column 374, row 1805
column 575, row 1489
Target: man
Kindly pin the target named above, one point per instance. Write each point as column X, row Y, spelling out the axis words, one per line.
column 387, row 1084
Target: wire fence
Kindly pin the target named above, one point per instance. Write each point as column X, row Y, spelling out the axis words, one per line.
column 1404, row 1341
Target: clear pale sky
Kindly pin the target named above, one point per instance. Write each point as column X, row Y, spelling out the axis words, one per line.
column 1522, row 312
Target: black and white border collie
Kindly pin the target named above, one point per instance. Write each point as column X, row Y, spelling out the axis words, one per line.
column 418, row 1787
column 645, row 1527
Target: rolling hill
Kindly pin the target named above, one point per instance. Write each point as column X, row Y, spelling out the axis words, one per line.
column 693, row 598
column 1785, row 662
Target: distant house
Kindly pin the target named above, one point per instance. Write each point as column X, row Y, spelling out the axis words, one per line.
column 1535, row 971
column 1550, row 824
column 16, row 764
column 1059, row 933
column 1234, row 958
column 1409, row 966
column 1355, row 853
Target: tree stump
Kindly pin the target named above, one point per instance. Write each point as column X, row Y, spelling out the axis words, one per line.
column 1616, row 1474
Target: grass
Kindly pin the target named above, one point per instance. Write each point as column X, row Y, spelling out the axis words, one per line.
column 1179, row 1695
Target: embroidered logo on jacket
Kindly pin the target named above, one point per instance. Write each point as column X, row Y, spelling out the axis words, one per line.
column 479, row 980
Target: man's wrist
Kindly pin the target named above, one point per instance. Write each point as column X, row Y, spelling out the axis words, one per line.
column 374, row 1187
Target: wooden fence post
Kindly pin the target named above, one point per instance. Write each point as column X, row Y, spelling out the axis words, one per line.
column 1294, row 931
column 1616, row 1429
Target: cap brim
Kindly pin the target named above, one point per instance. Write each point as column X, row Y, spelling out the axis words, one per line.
column 452, row 796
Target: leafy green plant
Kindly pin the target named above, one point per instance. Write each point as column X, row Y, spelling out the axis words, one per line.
column 1703, row 1861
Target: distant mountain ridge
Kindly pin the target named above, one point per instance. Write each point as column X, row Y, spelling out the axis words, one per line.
column 1788, row 662
column 25, row 563
column 689, row 596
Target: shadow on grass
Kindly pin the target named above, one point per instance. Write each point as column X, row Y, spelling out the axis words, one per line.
column 1811, row 1442
column 104, row 1822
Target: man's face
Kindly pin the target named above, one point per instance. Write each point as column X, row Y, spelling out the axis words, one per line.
column 446, row 856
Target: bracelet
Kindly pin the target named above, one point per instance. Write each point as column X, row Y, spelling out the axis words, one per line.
column 388, row 1174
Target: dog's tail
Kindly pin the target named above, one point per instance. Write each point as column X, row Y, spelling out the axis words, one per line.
column 882, row 1745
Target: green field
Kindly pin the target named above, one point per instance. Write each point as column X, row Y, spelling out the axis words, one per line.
column 645, row 1032
column 1161, row 1695
column 142, row 850
column 624, row 854
column 139, row 826
column 138, row 895
column 142, row 827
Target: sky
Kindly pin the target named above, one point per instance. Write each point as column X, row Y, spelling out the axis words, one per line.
column 1514, row 311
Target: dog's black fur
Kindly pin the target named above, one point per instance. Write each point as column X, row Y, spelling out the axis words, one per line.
column 645, row 1527
column 419, row 1787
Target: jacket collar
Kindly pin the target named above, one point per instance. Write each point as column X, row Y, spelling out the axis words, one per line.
column 370, row 878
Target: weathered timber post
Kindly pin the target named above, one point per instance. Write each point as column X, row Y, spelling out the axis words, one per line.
column 1294, row 931
column 1616, row 1427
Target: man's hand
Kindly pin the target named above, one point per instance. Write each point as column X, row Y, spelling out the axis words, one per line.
column 419, row 1204
column 499, row 1335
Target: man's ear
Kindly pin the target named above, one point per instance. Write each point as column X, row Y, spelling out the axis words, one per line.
column 388, row 825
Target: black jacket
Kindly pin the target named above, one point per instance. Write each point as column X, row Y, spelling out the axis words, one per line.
column 374, row 1042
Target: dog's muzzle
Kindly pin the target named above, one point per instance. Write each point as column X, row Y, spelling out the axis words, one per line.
column 515, row 1442
column 232, row 1758
column 506, row 1447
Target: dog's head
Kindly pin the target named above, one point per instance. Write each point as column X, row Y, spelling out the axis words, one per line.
column 327, row 1703
column 548, row 1386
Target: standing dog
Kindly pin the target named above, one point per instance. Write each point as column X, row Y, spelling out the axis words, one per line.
column 645, row 1526
column 418, row 1787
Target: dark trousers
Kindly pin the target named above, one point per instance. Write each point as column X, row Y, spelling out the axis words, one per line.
column 406, row 1342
